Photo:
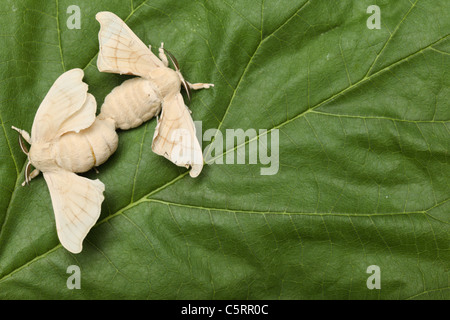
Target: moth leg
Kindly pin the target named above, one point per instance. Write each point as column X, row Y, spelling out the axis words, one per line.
column 198, row 86
column 32, row 175
column 23, row 133
column 162, row 55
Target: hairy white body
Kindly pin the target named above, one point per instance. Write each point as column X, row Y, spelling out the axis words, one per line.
column 89, row 148
column 67, row 138
column 139, row 99
column 132, row 103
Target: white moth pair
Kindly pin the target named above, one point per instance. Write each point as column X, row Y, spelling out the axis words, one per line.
column 67, row 138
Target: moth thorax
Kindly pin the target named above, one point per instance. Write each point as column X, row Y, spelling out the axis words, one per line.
column 167, row 81
column 42, row 156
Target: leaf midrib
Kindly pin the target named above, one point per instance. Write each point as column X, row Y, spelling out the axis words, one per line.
column 424, row 212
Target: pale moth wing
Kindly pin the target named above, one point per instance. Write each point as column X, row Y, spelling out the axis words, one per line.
column 121, row 51
column 175, row 136
column 64, row 108
column 77, row 203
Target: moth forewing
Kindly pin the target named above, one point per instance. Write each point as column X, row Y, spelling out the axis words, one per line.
column 175, row 137
column 121, row 51
column 77, row 203
column 64, row 108
column 186, row 151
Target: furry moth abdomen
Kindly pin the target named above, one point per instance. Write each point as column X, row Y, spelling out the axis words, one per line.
column 133, row 102
column 91, row 147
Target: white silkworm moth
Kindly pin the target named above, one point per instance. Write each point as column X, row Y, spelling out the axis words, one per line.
column 66, row 137
column 139, row 99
